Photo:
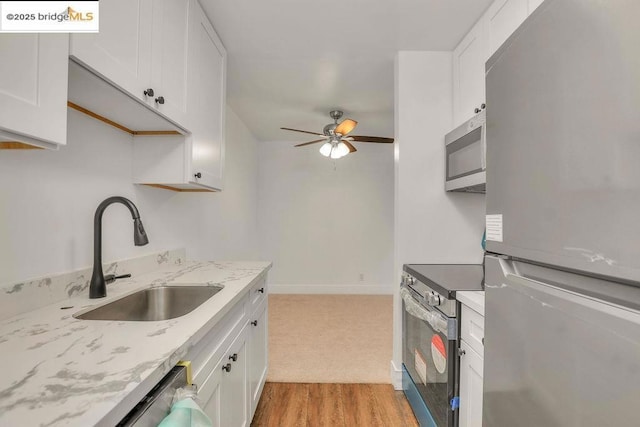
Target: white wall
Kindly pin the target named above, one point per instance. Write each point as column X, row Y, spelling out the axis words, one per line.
column 48, row 198
column 432, row 226
column 324, row 223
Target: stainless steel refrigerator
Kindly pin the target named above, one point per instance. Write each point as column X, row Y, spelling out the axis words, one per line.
column 562, row 278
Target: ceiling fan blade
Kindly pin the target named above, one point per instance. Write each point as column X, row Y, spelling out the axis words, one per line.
column 310, row 142
column 352, row 149
column 303, row 131
column 376, row 139
column 346, row 126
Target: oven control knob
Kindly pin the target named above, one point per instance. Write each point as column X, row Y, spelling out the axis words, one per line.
column 433, row 299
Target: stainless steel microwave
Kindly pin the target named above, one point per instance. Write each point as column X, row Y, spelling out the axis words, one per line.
column 466, row 149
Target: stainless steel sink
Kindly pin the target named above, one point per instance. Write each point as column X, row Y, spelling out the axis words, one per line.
column 161, row 303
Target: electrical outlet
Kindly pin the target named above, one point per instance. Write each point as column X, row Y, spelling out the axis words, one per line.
column 361, row 277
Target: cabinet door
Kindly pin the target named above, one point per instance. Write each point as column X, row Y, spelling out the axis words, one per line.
column 121, row 51
column 235, row 396
column 502, row 19
column 206, row 101
column 33, row 88
column 471, row 371
column 258, row 354
column 468, row 74
column 210, row 392
column 169, row 67
column 224, row 394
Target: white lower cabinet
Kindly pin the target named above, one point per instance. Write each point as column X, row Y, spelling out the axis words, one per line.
column 230, row 364
column 223, row 395
column 258, row 351
column 471, row 365
column 471, row 368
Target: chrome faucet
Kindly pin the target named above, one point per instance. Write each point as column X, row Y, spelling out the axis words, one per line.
column 97, row 287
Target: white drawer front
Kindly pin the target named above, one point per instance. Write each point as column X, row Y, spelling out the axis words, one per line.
column 472, row 329
column 258, row 294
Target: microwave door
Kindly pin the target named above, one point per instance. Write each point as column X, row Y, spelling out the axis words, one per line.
column 465, row 157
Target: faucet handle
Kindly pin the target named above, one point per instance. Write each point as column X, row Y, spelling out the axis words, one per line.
column 110, row 278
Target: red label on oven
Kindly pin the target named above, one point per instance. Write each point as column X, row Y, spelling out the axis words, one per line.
column 439, row 354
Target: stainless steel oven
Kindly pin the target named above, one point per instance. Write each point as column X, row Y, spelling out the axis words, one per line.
column 430, row 359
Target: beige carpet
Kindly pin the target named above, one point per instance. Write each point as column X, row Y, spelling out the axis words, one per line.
column 330, row 338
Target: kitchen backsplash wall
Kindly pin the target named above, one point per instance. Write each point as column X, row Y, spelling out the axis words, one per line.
column 48, row 200
column 30, row 295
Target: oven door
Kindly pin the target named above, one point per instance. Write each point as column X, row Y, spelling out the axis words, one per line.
column 430, row 359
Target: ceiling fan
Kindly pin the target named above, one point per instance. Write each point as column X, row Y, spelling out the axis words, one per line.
column 336, row 142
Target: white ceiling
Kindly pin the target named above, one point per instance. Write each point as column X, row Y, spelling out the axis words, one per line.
column 291, row 61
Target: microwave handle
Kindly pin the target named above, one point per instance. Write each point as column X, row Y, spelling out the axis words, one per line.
column 483, row 145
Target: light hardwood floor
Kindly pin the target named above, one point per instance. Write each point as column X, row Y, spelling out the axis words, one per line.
column 332, row 405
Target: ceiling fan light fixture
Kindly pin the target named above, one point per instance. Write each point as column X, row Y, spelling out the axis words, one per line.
column 325, row 150
column 342, row 149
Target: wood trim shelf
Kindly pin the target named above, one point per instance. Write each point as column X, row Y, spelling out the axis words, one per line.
column 118, row 125
column 16, row 145
column 181, row 190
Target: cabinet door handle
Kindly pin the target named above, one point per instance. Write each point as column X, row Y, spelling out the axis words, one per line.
column 477, row 110
column 483, row 106
column 254, row 323
column 160, row 100
column 234, row 357
column 148, row 92
column 227, row 367
column 261, row 290
column 461, row 352
column 197, row 175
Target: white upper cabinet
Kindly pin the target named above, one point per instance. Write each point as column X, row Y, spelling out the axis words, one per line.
column 502, row 19
column 121, row 51
column 468, row 74
column 194, row 162
column 206, row 101
column 33, row 89
column 141, row 45
column 169, row 68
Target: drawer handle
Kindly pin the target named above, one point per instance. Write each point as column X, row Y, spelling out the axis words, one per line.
column 149, row 92
column 254, row 323
column 261, row 290
column 227, row 367
column 234, row 357
column 160, row 100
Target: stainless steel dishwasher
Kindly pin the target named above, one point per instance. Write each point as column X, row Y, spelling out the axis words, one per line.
column 156, row 405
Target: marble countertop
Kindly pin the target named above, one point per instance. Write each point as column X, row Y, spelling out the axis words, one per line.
column 61, row 371
column 472, row 299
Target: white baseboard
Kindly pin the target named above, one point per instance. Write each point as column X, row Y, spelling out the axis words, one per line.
column 396, row 376
column 331, row 289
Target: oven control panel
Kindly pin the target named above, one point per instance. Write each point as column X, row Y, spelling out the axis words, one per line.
column 428, row 297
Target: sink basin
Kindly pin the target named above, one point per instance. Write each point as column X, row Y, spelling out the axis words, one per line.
column 160, row 303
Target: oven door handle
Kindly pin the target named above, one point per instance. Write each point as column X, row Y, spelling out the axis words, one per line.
column 438, row 321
